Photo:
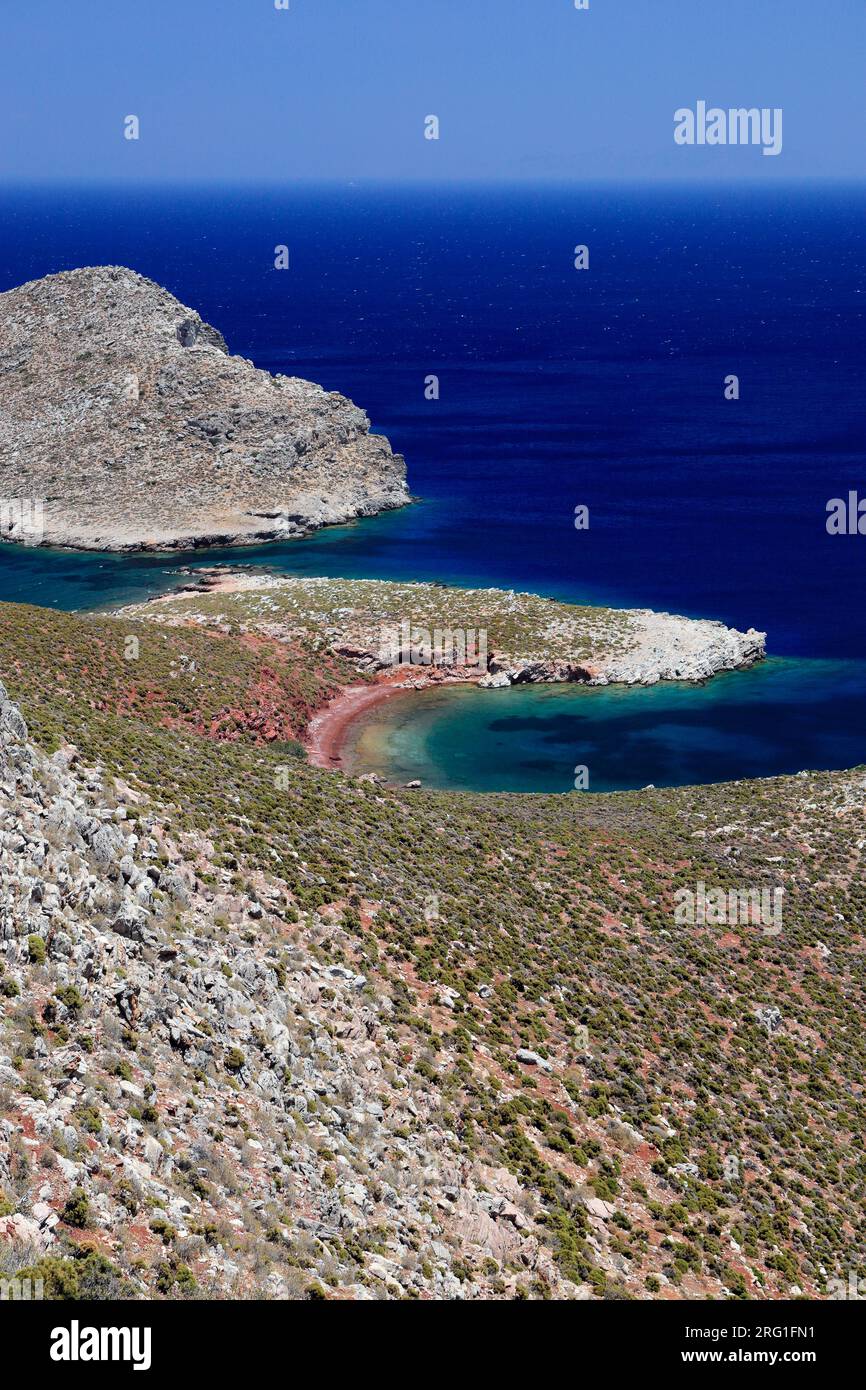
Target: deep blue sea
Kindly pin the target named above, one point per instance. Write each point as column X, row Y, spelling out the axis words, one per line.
column 558, row 387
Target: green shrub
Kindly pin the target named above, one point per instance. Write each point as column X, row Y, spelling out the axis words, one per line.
column 87, row 1274
column 77, row 1210
column 71, row 997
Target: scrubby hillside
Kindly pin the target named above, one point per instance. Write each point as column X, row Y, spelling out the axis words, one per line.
column 270, row 1030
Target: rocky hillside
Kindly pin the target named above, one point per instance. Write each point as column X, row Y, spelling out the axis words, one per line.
column 123, row 411
column 268, row 1030
column 194, row 1095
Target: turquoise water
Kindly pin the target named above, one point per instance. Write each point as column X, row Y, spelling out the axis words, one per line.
column 780, row 717
column 100, row 580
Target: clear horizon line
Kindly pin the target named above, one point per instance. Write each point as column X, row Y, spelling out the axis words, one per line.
column 128, row 183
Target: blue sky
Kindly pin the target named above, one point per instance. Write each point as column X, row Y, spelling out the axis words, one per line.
column 234, row 90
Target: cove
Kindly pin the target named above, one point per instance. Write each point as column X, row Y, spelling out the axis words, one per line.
column 783, row 716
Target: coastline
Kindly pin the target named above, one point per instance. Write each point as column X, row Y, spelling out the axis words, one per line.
column 325, row 736
column 327, row 733
column 532, row 640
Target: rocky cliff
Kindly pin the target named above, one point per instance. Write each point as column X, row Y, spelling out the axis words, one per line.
column 125, row 414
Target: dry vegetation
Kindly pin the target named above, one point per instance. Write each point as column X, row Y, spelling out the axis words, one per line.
column 494, row 924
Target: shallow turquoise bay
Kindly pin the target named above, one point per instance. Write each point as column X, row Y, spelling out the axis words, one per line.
column 782, row 716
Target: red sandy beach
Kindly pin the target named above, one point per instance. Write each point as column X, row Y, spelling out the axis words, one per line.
column 326, row 734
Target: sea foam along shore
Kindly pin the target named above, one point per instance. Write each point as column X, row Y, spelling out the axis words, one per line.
column 529, row 639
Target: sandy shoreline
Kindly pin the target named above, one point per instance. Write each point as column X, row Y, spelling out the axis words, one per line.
column 327, row 732
column 325, row 737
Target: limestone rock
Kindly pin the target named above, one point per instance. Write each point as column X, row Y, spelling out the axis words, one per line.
column 124, row 412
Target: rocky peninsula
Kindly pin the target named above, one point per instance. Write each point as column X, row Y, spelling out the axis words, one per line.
column 125, row 415
column 410, row 636
column 509, row 638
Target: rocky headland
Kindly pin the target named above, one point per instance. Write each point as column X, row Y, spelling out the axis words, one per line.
column 378, row 627
column 123, row 412
column 520, row 637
